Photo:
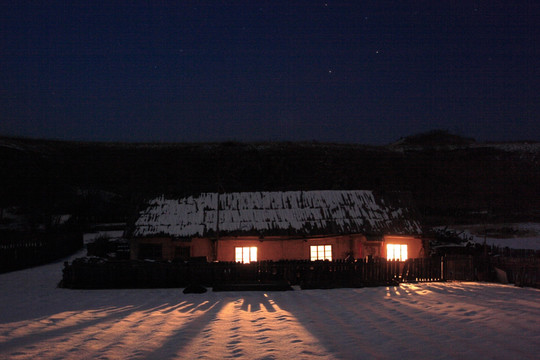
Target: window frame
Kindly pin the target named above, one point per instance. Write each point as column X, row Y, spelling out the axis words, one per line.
column 320, row 252
column 245, row 254
column 401, row 250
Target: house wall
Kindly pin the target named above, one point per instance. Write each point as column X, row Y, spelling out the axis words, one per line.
column 165, row 241
column 197, row 248
column 202, row 247
column 281, row 248
column 371, row 249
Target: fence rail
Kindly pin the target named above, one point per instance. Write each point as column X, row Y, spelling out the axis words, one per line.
column 99, row 273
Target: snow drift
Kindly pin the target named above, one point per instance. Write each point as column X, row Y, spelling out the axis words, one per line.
column 428, row 320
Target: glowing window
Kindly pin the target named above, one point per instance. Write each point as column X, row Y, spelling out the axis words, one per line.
column 321, row 252
column 246, row 254
column 396, row 252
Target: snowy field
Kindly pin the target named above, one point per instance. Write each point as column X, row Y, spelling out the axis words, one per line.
column 413, row 321
column 526, row 236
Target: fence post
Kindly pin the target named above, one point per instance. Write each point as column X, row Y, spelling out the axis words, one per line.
column 442, row 268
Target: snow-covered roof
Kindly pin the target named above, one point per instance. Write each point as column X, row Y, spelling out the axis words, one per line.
column 275, row 213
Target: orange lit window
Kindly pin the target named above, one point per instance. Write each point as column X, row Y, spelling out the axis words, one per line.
column 246, row 254
column 396, row 252
column 321, row 252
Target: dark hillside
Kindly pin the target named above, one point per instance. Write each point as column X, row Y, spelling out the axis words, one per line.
column 459, row 183
column 434, row 139
column 452, row 182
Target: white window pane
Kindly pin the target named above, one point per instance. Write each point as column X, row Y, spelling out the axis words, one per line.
column 238, row 255
column 390, row 252
column 403, row 254
column 313, row 253
column 253, row 254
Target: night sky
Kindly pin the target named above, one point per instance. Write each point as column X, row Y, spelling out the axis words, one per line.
column 332, row 71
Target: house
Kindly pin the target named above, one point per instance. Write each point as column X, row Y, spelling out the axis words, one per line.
column 292, row 225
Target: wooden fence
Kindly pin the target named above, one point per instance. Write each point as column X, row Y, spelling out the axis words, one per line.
column 19, row 250
column 522, row 271
column 99, row 273
column 93, row 273
column 460, row 267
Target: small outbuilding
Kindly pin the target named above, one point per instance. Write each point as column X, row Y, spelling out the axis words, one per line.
column 292, row 225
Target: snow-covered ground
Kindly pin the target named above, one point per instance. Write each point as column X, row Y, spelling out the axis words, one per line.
column 108, row 234
column 517, row 235
column 430, row 320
